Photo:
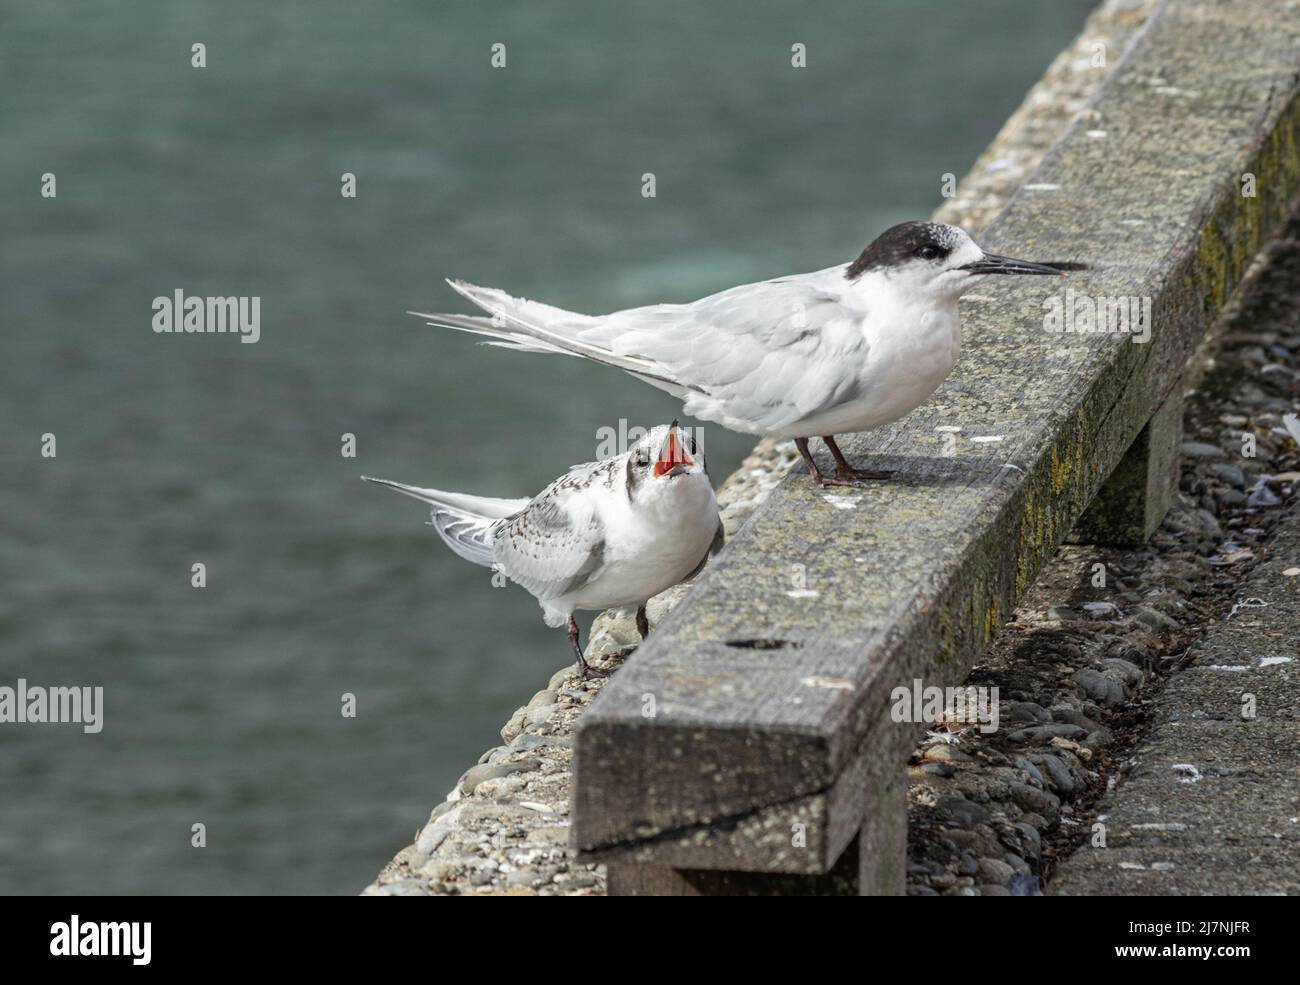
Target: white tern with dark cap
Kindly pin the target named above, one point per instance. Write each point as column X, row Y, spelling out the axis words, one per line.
column 845, row 349
column 605, row 535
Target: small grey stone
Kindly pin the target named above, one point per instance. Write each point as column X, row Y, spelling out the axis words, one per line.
column 1209, row 524
column 939, row 769
column 1202, row 450
column 1100, row 688
column 1018, row 865
column 540, row 713
column 946, row 753
column 992, row 889
column 994, row 870
column 567, row 674
column 1129, row 673
column 1057, row 775
column 980, row 841
column 441, row 809
column 1154, row 619
column 968, row 865
column 553, row 835
column 1075, row 717
column 528, row 742
column 1042, row 802
column 404, row 887
column 1030, row 768
column 513, row 728
column 1028, row 711
column 1031, row 840
column 542, row 698
column 433, row 833
column 1229, row 474
column 960, row 812
column 1045, row 733
column 1097, row 739
column 490, row 771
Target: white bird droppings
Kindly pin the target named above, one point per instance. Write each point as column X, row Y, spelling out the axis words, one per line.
column 843, row 502
column 831, row 682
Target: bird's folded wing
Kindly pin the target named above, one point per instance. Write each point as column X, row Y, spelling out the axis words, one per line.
column 773, row 352
column 550, row 547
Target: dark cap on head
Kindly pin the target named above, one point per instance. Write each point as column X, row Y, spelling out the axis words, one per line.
column 898, row 244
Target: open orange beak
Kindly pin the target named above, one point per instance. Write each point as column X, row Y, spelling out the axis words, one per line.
column 673, row 459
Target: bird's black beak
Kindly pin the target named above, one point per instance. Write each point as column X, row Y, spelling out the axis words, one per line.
column 991, row 263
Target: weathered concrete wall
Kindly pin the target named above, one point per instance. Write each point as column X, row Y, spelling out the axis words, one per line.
column 504, row 827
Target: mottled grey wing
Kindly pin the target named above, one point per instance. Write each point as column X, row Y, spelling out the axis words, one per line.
column 775, row 351
column 547, row 548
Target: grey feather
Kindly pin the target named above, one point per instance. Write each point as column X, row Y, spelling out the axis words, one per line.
column 544, row 548
column 746, row 357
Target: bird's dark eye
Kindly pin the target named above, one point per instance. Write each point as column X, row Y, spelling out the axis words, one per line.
column 928, row 252
column 642, row 460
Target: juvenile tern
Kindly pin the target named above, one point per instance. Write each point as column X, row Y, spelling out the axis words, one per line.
column 605, row 535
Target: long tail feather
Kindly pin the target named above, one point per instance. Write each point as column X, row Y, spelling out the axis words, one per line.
column 464, row 522
column 535, row 327
column 492, row 328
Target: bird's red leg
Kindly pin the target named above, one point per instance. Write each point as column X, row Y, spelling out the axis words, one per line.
column 585, row 670
column 839, row 479
column 802, row 445
column 844, row 470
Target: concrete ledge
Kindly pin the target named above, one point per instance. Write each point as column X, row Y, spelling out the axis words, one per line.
column 848, row 596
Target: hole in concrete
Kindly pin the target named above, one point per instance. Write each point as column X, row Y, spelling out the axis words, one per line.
column 761, row 644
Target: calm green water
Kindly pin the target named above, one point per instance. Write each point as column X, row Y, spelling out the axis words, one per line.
column 223, row 704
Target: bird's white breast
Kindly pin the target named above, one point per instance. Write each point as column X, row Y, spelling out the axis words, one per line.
column 651, row 545
column 912, row 347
